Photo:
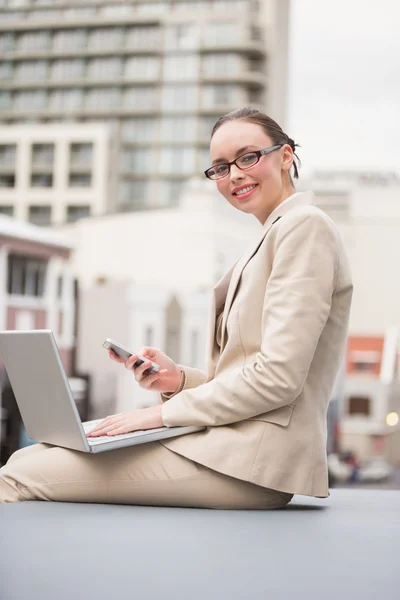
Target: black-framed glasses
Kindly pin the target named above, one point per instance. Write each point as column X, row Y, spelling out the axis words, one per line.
column 243, row 162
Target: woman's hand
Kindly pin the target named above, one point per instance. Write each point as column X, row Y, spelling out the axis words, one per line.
column 133, row 420
column 166, row 380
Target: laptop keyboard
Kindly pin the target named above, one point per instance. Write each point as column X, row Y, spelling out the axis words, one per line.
column 89, row 425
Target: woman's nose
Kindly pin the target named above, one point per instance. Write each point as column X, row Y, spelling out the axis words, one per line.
column 235, row 173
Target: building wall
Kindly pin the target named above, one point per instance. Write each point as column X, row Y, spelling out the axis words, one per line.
column 60, row 186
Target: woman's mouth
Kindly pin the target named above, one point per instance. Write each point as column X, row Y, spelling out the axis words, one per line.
column 245, row 192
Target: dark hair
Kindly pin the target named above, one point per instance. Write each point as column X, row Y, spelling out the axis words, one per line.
column 271, row 128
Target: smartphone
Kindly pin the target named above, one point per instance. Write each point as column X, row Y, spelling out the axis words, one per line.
column 125, row 354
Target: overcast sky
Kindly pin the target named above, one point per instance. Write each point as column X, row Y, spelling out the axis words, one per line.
column 344, row 85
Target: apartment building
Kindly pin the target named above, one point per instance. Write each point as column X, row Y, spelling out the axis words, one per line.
column 54, row 174
column 158, row 73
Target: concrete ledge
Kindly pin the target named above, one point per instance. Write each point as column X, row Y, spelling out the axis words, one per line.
column 344, row 548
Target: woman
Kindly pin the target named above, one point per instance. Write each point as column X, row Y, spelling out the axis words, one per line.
column 277, row 334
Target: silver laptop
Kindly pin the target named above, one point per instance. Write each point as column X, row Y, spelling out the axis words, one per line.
column 45, row 400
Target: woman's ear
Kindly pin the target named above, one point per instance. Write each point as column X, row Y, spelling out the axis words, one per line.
column 287, row 157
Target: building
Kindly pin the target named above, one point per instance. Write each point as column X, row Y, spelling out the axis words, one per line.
column 365, row 206
column 159, row 73
column 54, row 174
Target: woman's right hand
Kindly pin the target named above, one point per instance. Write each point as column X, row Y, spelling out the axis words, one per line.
column 166, row 380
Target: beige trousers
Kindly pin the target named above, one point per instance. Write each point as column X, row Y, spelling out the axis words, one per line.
column 148, row 474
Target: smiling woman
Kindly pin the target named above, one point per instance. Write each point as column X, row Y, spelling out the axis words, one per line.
column 276, row 337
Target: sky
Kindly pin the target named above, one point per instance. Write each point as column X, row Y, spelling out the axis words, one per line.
column 344, row 83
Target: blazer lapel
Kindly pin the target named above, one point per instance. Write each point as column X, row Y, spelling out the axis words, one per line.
column 298, row 199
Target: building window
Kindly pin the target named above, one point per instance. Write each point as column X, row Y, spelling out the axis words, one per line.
column 7, row 155
column 7, row 180
column 81, row 12
column 6, row 41
column 6, row 70
column 81, row 155
column 132, row 195
column 7, row 209
column 65, row 40
column 106, row 38
column 31, row 70
column 179, row 68
column 153, row 8
column 182, row 36
column 138, row 160
column 179, row 129
column 74, row 213
column 34, row 41
column 206, row 126
column 138, row 130
column 104, row 68
column 118, row 10
column 140, row 98
column 169, row 193
column 143, row 37
column 30, row 100
column 40, row 215
column 359, row 405
column 177, row 160
column 5, row 100
column 41, row 180
column 221, row 65
column 67, row 69
column 178, row 98
column 220, row 95
column 26, row 275
column 142, row 67
column 222, row 34
column 103, row 99
column 42, row 155
column 80, row 180
column 66, row 100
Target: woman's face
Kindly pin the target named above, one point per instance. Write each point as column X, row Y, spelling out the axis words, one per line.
column 267, row 181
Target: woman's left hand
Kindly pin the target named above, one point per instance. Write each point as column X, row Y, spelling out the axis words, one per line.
column 133, row 420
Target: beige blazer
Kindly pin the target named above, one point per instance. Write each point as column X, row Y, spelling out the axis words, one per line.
column 272, row 362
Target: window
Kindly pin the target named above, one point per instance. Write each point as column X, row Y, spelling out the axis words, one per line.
column 177, row 160
column 81, row 180
column 359, row 405
column 67, row 69
column 106, row 38
column 33, row 41
column 6, row 42
column 5, row 100
column 138, row 130
column 7, row 209
column 30, row 100
column 7, row 180
column 42, row 180
column 81, row 12
column 74, row 213
column 142, row 67
column 178, row 98
column 104, row 68
column 153, row 8
column 206, row 126
column 143, row 37
column 66, row 100
column 178, row 129
column 256, row 96
column 221, row 65
column 81, row 155
column 31, row 70
column 140, row 98
column 65, row 40
column 169, row 193
column 139, row 160
column 221, row 34
column 203, row 159
column 40, row 215
column 220, row 95
column 43, row 154
column 179, row 68
column 44, row 15
column 103, row 99
column 132, row 195
column 7, row 155
column 6, row 70
column 26, row 275
column 182, row 36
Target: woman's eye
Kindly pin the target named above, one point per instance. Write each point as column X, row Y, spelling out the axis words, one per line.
column 220, row 169
column 248, row 159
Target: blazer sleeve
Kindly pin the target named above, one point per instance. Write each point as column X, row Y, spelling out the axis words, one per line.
column 193, row 378
column 296, row 307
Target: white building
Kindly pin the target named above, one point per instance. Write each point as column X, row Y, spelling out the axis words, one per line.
column 54, row 174
column 159, row 72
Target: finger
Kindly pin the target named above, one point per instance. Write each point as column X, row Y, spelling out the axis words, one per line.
column 104, row 430
column 139, row 371
column 114, row 356
column 130, row 363
column 148, row 352
column 148, row 380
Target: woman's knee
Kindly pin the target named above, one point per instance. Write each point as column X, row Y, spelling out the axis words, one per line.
column 27, row 451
